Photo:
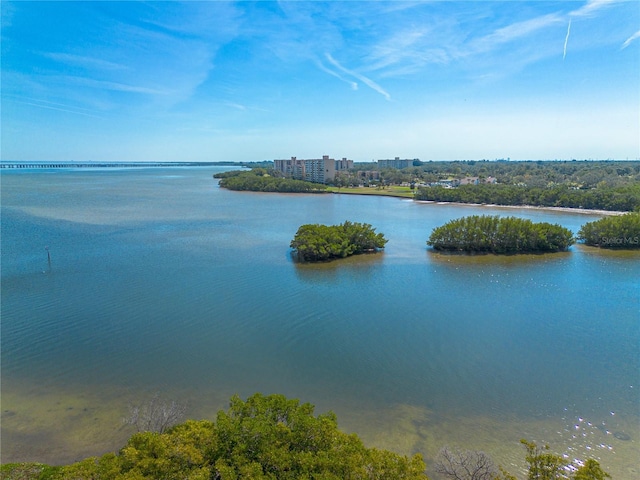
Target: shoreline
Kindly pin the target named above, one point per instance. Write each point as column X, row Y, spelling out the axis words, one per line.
column 585, row 211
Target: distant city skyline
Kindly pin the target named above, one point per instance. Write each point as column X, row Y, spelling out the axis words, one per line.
column 254, row 81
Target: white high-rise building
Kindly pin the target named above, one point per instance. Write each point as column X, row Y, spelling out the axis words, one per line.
column 397, row 162
column 317, row 170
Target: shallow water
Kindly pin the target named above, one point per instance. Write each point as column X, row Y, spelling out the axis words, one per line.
column 161, row 282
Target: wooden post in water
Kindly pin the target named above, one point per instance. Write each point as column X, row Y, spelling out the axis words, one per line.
column 48, row 257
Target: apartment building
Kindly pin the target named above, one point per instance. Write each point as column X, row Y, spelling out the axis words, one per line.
column 317, row 170
column 397, row 162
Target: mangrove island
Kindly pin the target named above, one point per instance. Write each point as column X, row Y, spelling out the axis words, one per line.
column 621, row 232
column 501, row 235
column 317, row 243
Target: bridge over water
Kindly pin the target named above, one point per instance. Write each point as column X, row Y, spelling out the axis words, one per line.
column 56, row 165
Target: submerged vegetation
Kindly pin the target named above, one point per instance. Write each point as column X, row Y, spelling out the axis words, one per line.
column 621, row 232
column 259, row 180
column 504, row 235
column 275, row 438
column 317, row 243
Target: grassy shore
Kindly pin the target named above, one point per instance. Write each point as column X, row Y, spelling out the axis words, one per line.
column 392, row 191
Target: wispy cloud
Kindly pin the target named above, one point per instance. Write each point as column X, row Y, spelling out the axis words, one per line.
column 48, row 105
column 517, row 30
column 367, row 81
column 591, row 7
column 321, row 66
column 83, row 61
column 405, row 52
column 629, row 40
column 114, row 86
column 237, row 106
column 566, row 40
column 223, row 64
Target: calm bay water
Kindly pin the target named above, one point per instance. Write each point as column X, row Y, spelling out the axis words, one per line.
column 162, row 282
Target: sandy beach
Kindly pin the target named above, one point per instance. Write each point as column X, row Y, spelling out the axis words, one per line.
column 388, row 193
column 585, row 211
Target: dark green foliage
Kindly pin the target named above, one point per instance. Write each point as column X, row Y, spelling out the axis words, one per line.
column 230, row 173
column 259, row 180
column 621, row 232
column 266, row 437
column 315, row 243
column 494, row 234
column 591, row 470
column 543, row 465
column 272, row 437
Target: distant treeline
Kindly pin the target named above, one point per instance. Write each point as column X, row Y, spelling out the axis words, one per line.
column 580, row 174
column 258, row 180
column 594, row 185
column 600, row 185
column 623, row 198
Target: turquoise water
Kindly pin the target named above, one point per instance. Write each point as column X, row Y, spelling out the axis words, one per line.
column 159, row 281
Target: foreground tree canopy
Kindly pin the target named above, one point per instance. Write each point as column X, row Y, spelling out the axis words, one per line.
column 495, row 234
column 275, row 438
column 266, row 437
column 613, row 232
column 315, row 243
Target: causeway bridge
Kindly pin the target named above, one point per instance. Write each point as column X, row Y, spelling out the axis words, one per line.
column 56, row 165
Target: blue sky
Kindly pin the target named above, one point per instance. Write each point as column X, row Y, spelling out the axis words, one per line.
column 250, row 81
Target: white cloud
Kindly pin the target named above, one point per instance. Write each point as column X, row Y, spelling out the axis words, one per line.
column 566, row 40
column 628, row 41
column 367, row 81
column 591, row 7
column 237, row 106
column 113, row 86
column 84, row 61
column 516, row 30
column 354, row 85
column 48, row 105
column 401, row 46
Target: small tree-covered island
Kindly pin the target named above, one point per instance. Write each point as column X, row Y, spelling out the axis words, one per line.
column 621, row 232
column 499, row 235
column 320, row 243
